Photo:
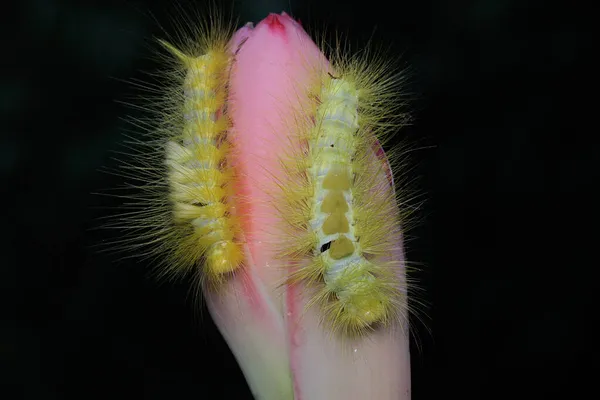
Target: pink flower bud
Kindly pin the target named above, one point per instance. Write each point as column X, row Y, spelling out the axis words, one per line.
column 285, row 352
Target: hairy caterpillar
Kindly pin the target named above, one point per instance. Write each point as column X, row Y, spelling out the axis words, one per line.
column 184, row 211
column 198, row 170
column 338, row 213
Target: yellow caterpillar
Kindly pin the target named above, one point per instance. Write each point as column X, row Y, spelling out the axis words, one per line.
column 198, row 171
column 338, row 212
column 183, row 213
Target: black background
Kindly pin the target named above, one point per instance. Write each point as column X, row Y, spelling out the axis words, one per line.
column 503, row 91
